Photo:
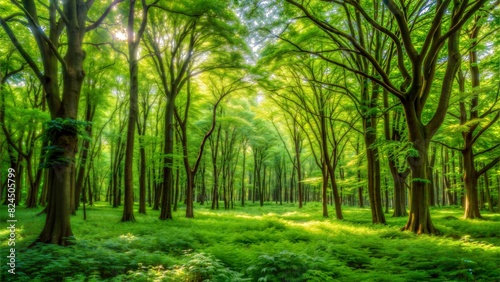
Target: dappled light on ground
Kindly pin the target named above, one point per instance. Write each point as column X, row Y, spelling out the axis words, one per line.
column 238, row 244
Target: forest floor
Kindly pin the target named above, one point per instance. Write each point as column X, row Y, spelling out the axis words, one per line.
column 275, row 243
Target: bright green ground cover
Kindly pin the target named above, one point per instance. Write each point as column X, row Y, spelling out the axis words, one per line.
column 273, row 243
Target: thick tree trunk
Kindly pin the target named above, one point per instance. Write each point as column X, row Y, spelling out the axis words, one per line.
column 57, row 229
column 419, row 220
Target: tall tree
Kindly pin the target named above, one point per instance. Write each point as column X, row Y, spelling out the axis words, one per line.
column 72, row 18
column 220, row 88
column 133, row 40
column 178, row 39
column 416, row 59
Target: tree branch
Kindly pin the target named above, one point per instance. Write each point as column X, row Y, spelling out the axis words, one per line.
column 96, row 24
column 61, row 13
column 446, row 145
column 488, row 166
column 403, row 26
column 21, row 50
column 487, row 150
column 492, row 121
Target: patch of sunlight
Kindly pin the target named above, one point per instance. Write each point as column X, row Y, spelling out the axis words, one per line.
column 296, row 214
column 448, row 211
column 330, row 228
column 309, row 226
column 248, row 216
column 293, row 213
column 15, row 236
column 478, row 221
column 128, row 237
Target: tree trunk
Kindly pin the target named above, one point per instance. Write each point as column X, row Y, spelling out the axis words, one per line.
column 470, row 184
column 168, row 162
column 189, row 194
column 419, row 220
column 489, row 200
column 142, row 182
column 243, row 176
column 57, row 229
column 324, row 188
column 399, row 192
column 374, row 192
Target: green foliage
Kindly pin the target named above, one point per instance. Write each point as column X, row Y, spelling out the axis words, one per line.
column 288, row 266
column 426, row 181
column 64, row 126
column 270, row 243
column 61, row 128
column 199, row 267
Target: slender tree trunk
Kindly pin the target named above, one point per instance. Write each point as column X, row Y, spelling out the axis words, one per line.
column 399, row 192
column 489, row 200
column 89, row 114
column 142, row 182
column 324, row 188
column 374, row 192
column 166, row 200
column 243, row 177
column 177, row 188
column 470, row 183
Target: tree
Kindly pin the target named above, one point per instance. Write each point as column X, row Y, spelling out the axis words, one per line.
column 178, row 45
column 417, row 65
column 133, row 40
column 220, row 88
column 72, row 18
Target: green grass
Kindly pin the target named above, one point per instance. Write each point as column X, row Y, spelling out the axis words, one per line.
column 272, row 243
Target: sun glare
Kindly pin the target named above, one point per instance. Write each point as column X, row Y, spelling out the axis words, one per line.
column 120, row 35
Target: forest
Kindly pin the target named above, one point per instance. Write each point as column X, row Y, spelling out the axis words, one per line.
column 250, row 140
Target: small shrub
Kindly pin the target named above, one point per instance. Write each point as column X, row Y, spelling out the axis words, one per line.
column 288, row 266
column 200, row 267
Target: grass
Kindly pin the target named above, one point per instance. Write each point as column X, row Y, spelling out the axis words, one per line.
column 270, row 243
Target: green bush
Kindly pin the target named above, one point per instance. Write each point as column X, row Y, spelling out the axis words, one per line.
column 288, row 266
column 199, row 267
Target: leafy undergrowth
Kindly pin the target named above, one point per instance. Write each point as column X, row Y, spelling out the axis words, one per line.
column 272, row 243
